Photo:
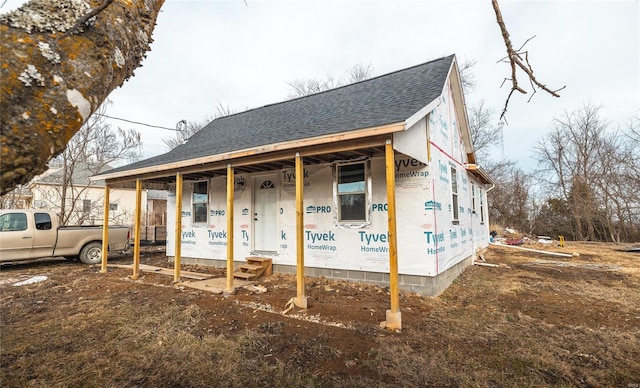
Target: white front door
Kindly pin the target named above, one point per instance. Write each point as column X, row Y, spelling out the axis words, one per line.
column 265, row 214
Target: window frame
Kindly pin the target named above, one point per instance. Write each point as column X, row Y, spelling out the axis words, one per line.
column 337, row 195
column 455, row 197
column 473, row 197
column 200, row 202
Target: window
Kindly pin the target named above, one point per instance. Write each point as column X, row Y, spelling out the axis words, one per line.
column 481, row 208
column 267, row 185
column 473, row 197
column 13, row 222
column 200, row 202
column 43, row 221
column 351, row 190
column 113, row 206
column 86, row 206
column 454, row 194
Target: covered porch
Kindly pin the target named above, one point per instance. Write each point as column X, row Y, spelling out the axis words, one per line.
column 375, row 142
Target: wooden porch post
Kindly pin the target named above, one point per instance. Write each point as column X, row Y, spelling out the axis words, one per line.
column 136, row 233
column 178, row 230
column 393, row 316
column 230, row 198
column 301, row 299
column 105, row 230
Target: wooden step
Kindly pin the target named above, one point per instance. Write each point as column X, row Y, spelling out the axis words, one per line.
column 244, row 275
column 257, row 260
column 254, row 268
column 251, row 267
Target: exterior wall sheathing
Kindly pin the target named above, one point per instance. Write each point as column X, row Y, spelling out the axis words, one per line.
column 433, row 246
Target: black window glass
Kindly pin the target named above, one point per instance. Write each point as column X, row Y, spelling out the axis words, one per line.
column 353, row 207
column 43, row 221
column 351, row 178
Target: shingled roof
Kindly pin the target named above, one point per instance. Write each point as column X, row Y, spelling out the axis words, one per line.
column 82, row 171
column 387, row 99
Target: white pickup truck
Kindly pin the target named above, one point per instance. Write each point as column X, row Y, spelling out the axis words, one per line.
column 32, row 234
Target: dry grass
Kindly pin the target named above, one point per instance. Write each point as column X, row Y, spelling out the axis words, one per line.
column 540, row 322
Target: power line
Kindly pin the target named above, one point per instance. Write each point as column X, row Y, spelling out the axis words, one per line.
column 137, row 122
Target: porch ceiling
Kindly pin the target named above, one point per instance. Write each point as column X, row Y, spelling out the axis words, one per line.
column 322, row 154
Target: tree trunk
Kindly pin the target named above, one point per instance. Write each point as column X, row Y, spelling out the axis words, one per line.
column 55, row 74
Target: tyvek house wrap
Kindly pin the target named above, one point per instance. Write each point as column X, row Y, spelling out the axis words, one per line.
column 429, row 241
column 327, row 244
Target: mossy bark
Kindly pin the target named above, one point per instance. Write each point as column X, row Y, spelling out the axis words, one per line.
column 51, row 82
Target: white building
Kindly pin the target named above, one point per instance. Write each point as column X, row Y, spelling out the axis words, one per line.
column 340, row 140
column 83, row 199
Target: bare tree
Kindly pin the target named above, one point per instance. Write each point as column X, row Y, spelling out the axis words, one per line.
column 634, row 130
column 359, row 72
column 510, row 202
column 594, row 171
column 567, row 156
column 467, row 78
column 304, row 87
column 631, row 142
column 20, row 197
column 185, row 129
column 620, row 182
column 553, row 218
column 59, row 60
column 484, row 134
column 92, row 150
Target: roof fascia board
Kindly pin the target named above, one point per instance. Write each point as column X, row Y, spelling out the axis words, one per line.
column 479, row 172
column 461, row 109
column 422, row 112
column 207, row 163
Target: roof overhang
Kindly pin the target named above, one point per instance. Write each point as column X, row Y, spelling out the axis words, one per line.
column 461, row 110
column 479, row 173
column 411, row 121
column 336, row 143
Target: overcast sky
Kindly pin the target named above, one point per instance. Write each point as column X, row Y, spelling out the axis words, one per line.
column 241, row 55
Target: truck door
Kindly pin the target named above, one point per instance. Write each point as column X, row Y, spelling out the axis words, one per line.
column 16, row 238
column 44, row 238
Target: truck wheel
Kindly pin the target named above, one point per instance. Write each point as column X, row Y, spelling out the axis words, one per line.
column 91, row 253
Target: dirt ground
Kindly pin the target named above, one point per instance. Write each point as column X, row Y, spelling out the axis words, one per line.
column 536, row 320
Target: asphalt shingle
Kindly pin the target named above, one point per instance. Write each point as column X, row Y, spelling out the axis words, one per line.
column 382, row 100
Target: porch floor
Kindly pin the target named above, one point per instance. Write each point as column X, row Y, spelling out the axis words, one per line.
column 214, row 285
column 201, row 281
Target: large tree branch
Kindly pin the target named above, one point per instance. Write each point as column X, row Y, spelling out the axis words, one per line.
column 52, row 82
column 81, row 22
column 514, row 58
